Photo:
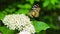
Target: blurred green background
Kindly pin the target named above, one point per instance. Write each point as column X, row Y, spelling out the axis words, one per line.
column 49, row 14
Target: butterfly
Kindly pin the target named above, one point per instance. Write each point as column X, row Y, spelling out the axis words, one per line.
column 35, row 11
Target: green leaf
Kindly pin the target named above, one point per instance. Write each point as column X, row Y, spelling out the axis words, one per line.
column 20, row 6
column 53, row 26
column 28, row 6
column 22, row 11
column 37, row 0
column 26, row 11
column 4, row 12
column 54, row 1
column 46, row 3
column 5, row 30
column 39, row 26
column 10, row 10
column 31, row 1
column 2, row 15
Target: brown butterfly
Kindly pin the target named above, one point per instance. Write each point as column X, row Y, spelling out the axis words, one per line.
column 35, row 11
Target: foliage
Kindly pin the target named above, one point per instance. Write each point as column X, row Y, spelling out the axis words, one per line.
column 5, row 30
column 39, row 26
column 51, row 4
column 48, row 15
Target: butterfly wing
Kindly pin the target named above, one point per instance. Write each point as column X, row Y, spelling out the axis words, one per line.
column 34, row 12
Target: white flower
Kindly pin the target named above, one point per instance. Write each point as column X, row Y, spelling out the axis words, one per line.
column 24, row 32
column 29, row 28
column 20, row 22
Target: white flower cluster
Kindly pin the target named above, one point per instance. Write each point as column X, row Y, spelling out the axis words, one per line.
column 24, row 32
column 20, row 22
